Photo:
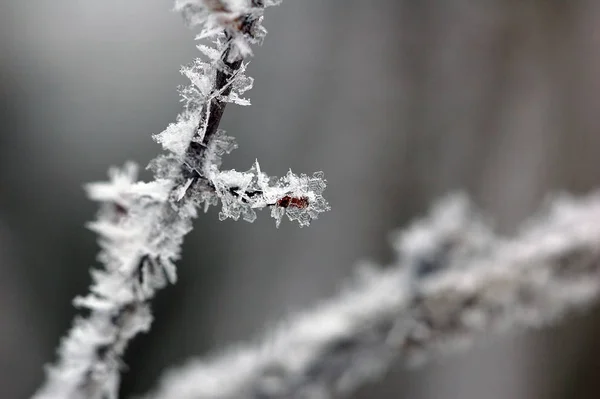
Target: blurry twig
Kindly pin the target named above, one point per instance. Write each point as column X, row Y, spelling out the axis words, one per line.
column 453, row 281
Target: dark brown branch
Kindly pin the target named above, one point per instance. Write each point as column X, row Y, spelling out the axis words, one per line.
column 216, row 107
column 214, row 111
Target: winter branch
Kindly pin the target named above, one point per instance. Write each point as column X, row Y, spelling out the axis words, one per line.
column 453, row 281
column 142, row 225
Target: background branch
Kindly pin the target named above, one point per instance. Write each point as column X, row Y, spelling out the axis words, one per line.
column 453, row 281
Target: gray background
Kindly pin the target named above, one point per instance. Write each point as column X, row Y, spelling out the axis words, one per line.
column 398, row 101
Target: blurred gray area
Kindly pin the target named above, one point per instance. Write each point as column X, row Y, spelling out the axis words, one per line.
column 398, row 101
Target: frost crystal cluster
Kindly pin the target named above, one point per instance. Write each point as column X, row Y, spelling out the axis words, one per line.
column 141, row 225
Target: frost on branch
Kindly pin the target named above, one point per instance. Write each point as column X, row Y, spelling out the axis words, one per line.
column 453, row 282
column 230, row 16
column 141, row 225
column 241, row 193
column 300, row 197
column 196, row 145
column 140, row 237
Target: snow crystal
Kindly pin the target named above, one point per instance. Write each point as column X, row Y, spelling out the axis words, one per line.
column 177, row 136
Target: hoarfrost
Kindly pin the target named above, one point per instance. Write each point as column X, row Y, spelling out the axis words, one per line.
column 141, row 225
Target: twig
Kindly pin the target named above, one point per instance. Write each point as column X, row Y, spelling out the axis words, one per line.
column 453, row 281
column 142, row 225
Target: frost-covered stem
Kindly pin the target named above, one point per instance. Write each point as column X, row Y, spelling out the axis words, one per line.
column 453, row 281
column 217, row 107
column 212, row 112
column 140, row 236
column 141, row 225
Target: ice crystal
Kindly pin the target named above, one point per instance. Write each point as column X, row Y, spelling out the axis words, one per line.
column 297, row 196
column 229, row 16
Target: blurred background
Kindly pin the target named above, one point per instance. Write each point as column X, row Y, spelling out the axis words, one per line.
column 398, row 101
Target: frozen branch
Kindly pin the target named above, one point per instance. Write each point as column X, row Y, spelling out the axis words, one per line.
column 142, row 225
column 453, row 281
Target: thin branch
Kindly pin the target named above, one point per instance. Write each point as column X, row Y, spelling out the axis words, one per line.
column 212, row 113
column 453, row 282
column 142, row 225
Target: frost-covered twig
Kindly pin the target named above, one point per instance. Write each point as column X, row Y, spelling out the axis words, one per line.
column 142, row 225
column 453, row 281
